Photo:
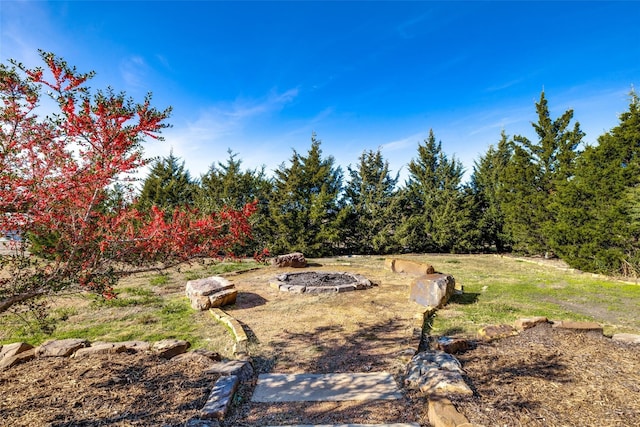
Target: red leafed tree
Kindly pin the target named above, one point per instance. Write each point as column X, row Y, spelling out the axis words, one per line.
column 56, row 174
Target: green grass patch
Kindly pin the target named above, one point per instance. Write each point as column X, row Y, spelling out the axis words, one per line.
column 503, row 289
column 147, row 308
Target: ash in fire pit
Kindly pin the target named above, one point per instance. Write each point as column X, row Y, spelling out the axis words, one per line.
column 316, row 282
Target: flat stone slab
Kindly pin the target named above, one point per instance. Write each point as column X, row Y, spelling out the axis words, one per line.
column 325, row 387
column 354, row 425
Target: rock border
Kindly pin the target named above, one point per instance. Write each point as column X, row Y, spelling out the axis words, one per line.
column 240, row 336
column 360, row 283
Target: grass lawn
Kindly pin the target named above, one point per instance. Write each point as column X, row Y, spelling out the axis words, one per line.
column 152, row 306
column 503, row 289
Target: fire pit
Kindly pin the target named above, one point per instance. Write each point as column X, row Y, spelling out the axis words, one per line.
column 318, row 282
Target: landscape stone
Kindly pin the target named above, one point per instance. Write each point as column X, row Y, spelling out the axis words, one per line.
column 295, row 260
column 297, row 289
column 240, row 368
column 356, row 425
column 61, row 348
column 432, row 290
column 345, row 288
column 10, row 350
column 190, row 356
column 207, row 286
column 442, row 413
column 200, row 302
column 410, row 267
column 214, row 291
column 24, row 356
column 436, row 373
column 170, row 347
column 627, row 338
column 325, row 387
column 494, row 332
column 389, row 264
column 527, row 323
column 438, row 382
column 100, row 348
column 578, row 326
column 222, row 298
column 212, row 355
column 452, row 345
column 202, row 423
column 220, row 397
column 137, row 345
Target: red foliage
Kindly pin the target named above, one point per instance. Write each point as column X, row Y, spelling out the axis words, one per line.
column 55, row 173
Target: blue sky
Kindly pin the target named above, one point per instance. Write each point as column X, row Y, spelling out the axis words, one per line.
column 259, row 77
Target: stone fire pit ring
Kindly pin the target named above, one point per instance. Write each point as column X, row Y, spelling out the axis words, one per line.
column 314, row 282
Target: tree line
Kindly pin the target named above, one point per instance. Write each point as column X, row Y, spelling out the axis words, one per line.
column 550, row 195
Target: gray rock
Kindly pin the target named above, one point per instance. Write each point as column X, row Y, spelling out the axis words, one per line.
column 432, row 290
column 240, row 368
column 220, row 397
column 626, row 338
column 436, row 373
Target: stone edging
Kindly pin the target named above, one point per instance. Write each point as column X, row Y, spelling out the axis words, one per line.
column 359, row 282
column 241, row 340
column 430, row 376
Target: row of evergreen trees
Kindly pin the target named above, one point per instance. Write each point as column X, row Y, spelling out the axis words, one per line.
column 550, row 195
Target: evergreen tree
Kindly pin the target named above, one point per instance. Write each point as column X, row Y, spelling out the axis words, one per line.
column 227, row 185
column 533, row 177
column 487, row 182
column 304, row 205
column 436, row 220
column 369, row 224
column 598, row 226
column 168, row 185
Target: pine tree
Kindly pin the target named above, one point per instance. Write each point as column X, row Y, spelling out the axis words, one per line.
column 487, row 182
column 369, row 224
column 598, row 225
column 436, row 220
column 227, row 185
column 534, row 175
column 304, row 205
column 168, row 185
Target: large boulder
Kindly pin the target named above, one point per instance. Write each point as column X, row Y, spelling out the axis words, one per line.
column 432, row 290
column 295, row 259
column 214, row 291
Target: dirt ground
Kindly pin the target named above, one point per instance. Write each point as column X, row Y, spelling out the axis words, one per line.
column 542, row 377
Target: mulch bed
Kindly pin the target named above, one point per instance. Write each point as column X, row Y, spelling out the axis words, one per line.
column 542, row 377
column 116, row 390
column 550, row 377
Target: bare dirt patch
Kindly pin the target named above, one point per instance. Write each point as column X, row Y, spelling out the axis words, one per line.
column 548, row 377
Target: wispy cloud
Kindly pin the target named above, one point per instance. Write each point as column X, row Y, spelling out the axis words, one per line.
column 134, row 71
column 405, row 29
column 205, row 140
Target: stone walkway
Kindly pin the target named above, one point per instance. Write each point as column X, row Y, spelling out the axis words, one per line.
column 325, row 387
column 354, row 425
